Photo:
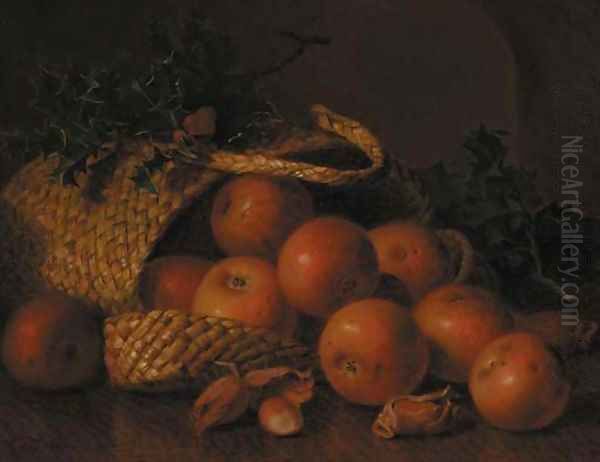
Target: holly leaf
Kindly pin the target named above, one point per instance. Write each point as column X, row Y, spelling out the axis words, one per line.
column 492, row 201
column 445, row 189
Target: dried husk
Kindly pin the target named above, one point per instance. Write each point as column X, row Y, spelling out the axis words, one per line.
column 428, row 414
column 292, row 384
column 228, row 398
column 222, row 402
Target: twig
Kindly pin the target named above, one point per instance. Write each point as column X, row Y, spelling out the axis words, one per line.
column 304, row 42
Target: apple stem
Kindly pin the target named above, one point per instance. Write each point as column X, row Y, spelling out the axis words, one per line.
column 351, row 367
column 237, row 283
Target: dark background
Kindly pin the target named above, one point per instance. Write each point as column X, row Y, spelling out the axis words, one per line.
column 417, row 73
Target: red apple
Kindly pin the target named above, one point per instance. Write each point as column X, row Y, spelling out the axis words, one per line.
column 413, row 254
column 371, row 350
column 326, row 263
column 53, row 342
column 243, row 288
column 254, row 214
column 171, row 282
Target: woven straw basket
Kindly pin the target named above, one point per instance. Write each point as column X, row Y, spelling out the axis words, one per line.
column 56, row 236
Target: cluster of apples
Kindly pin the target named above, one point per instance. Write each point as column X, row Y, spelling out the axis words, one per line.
column 391, row 315
column 282, row 260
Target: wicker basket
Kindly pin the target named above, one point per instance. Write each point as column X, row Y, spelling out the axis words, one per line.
column 60, row 237
column 469, row 267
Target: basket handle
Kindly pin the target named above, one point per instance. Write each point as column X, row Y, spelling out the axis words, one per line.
column 269, row 161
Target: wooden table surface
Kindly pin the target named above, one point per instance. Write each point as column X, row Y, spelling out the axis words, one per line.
column 104, row 425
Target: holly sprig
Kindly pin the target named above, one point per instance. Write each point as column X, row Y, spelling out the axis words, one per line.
column 192, row 64
column 83, row 110
column 495, row 203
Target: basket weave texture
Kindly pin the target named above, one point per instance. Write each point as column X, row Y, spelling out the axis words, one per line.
column 57, row 236
column 170, row 350
column 469, row 266
column 90, row 249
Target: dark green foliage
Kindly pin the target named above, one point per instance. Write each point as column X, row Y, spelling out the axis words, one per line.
column 192, row 65
column 496, row 205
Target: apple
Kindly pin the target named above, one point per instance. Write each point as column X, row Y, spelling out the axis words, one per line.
column 413, row 254
column 326, row 263
column 371, row 350
column 53, row 342
column 170, row 282
column 246, row 289
column 459, row 320
column 254, row 214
